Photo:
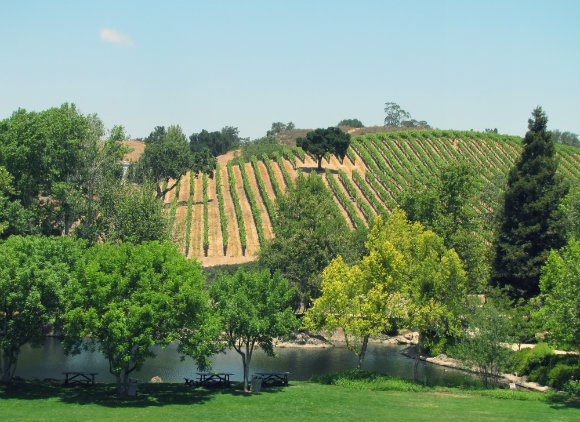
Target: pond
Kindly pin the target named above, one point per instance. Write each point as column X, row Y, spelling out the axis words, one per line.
column 50, row 361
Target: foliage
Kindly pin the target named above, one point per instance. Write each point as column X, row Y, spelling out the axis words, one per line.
column 130, row 213
column 565, row 138
column 433, row 278
column 56, row 157
column 310, row 233
column 481, row 344
column 362, row 300
column 279, row 127
column 559, row 287
column 205, row 214
column 354, row 123
column 218, row 142
column 268, row 145
column 34, row 272
column 254, row 309
column 189, row 214
column 252, row 201
column 363, row 380
column 444, row 206
column 570, row 207
column 237, row 207
column 322, row 141
column 395, row 114
column 14, row 218
column 530, row 222
column 167, row 156
column 128, row 298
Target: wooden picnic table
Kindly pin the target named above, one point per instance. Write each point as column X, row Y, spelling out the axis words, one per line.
column 79, row 378
column 210, row 379
column 274, row 378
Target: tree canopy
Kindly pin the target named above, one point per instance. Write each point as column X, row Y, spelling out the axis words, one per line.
column 531, row 222
column 397, row 117
column 34, row 272
column 559, row 287
column 254, row 308
column 354, row 123
column 320, row 142
column 218, row 142
column 127, row 298
column 445, row 206
column 310, row 232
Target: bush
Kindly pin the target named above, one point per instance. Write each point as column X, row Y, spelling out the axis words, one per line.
column 561, row 374
column 572, row 387
column 527, row 360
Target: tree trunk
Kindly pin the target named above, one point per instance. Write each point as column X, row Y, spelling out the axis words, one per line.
column 363, row 352
column 8, row 366
column 247, row 360
column 320, row 163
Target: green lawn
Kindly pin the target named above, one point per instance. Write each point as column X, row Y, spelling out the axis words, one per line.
column 301, row 401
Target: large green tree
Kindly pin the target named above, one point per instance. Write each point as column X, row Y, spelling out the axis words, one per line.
column 254, row 308
column 34, row 274
column 445, row 206
column 433, row 279
column 310, row 232
column 560, row 305
column 320, row 142
column 167, row 157
column 218, row 142
column 128, row 298
column 531, row 222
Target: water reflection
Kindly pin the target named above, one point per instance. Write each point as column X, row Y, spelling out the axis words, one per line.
column 50, row 361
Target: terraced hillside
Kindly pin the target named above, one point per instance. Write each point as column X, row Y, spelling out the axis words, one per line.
column 226, row 219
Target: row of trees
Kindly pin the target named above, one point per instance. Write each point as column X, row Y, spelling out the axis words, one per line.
column 122, row 299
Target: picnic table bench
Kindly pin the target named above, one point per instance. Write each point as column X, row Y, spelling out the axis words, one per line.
column 209, row 379
column 274, row 378
column 79, row 378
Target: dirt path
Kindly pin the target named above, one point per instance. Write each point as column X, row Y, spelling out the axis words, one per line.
column 343, row 189
column 251, row 234
column 278, row 175
column 362, row 196
column 267, row 182
column 266, row 223
column 234, row 248
column 216, row 244
column 196, row 234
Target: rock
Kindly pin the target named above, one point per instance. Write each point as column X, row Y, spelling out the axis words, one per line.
column 156, row 380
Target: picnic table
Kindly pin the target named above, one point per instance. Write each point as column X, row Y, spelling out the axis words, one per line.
column 79, row 378
column 209, row 379
column 274, row 378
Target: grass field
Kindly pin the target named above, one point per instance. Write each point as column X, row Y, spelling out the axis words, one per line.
column 301, row 401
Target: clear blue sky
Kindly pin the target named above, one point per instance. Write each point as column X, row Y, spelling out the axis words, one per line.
column 457, row 64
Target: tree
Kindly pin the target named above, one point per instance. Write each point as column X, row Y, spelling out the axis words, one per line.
column 395, row 114
column 166, row 156
column 45, row 153
column 128, row 298
column 362, row 300
column 310, row 233
column 254, row 309
column 130, row 213
column 559, row 287
column 34, row 272
column 432, row 278
column 14, row 218
column 530, row 223
column 217, row 142
column 323, row 141
column 570, row 208
column 354, row 123
column 480, row 346
column 279, row 127
column 565, row 138
column 445, row 206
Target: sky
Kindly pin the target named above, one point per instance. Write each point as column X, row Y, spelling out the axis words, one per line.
column 460, row 64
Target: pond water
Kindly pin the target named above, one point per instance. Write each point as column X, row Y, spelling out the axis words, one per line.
column 50, row 361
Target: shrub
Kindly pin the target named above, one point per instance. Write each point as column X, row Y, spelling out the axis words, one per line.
column 572, row 387
column 561, row 373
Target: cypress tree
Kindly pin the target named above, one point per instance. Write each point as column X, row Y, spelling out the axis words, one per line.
column 530, row 222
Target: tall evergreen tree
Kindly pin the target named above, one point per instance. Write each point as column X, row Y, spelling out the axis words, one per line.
column 530, row 223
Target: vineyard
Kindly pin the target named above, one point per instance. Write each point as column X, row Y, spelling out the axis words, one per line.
column 225, row 219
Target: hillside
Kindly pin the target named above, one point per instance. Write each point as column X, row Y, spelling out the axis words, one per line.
column 377, row 167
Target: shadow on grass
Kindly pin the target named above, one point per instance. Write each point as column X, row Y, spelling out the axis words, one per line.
column 105, row 394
